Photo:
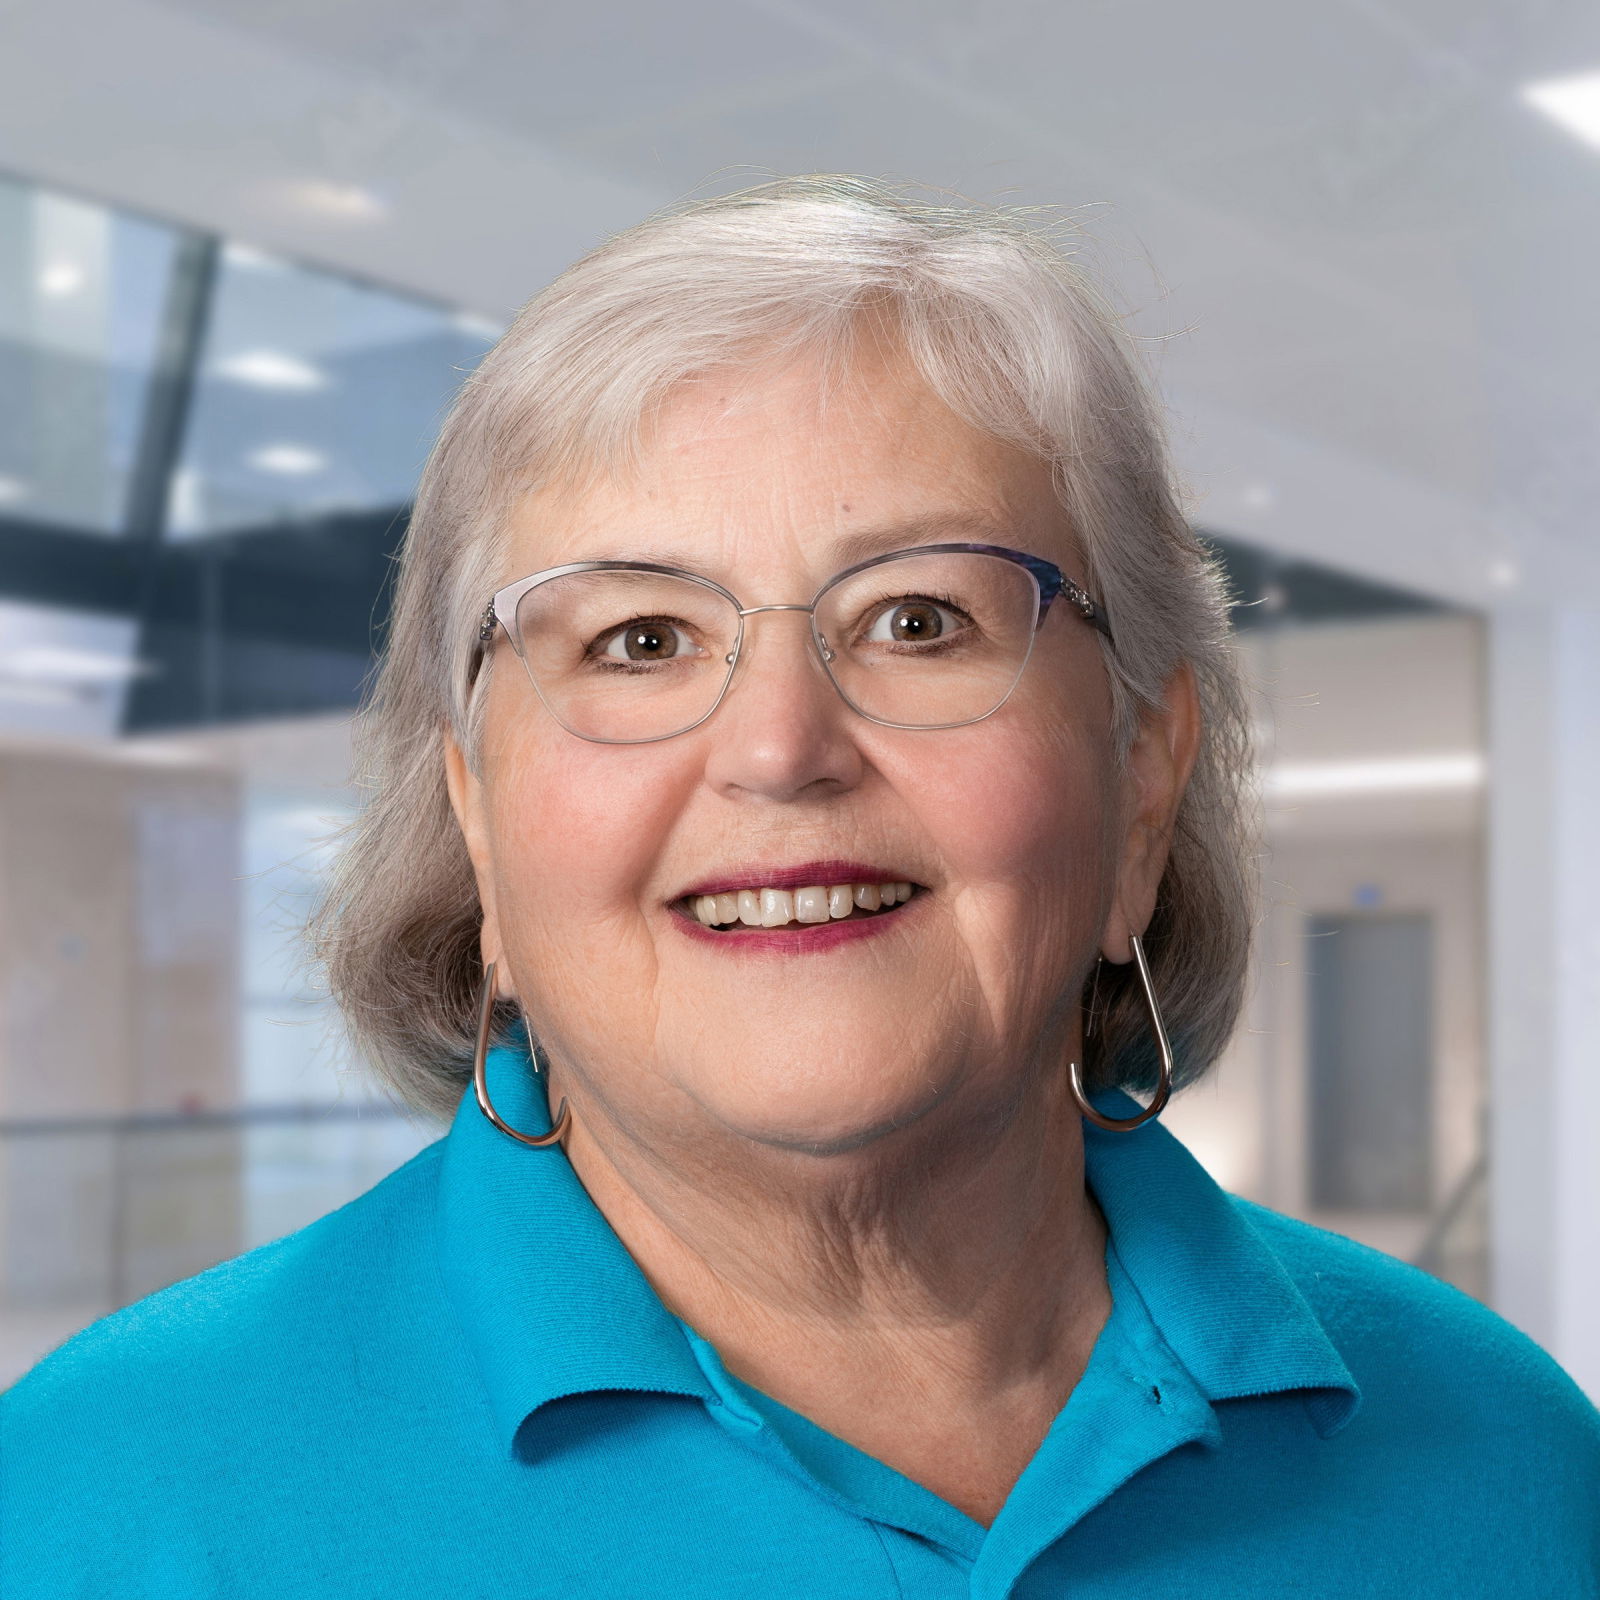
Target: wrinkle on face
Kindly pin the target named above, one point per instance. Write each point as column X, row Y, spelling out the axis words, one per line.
column 896, row 1048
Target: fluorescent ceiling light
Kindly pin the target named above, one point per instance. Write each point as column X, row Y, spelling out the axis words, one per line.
column 1574, row 103
column 63, row 665
column 1402, row 775
column 346, row 202
column 157, row 753
column 272, row 369
column 291, row 460
column 61, row 278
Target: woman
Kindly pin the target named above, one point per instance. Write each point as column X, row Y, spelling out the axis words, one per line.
column 809, row 719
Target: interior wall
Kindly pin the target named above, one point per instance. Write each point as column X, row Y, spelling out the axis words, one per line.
column 118, row 952
column 1345, row 704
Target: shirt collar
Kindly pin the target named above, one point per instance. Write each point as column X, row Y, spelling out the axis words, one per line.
column 1213, row 1286
column 552, row 1304
column 550, row 1300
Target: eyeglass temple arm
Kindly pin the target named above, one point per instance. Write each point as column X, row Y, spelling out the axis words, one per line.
column 480, row 646
column 1053, row 583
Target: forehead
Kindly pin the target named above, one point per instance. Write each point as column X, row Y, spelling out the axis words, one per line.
column 783, row 469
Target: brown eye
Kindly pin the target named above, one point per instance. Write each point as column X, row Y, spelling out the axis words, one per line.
column 910, row 622
column 647, row 641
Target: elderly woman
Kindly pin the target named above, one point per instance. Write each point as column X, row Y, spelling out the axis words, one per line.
column 809, row 759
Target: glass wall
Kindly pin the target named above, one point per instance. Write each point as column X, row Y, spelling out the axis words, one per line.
column 315, row 397
column 212, row 450
column 206, row 459
column 1354, row 1093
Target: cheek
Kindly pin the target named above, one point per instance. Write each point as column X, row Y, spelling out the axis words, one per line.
column 578, row 829
column 1024, row 819
column 1027, row 808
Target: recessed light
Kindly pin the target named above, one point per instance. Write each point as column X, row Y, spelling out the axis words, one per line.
column 1503, row 574
column 249, row 259
column 1258, row 496
column 271, row 369
column 1574, row 103
column 13, row 490
column 58, row 279
column 346, row 202
column 289, row 460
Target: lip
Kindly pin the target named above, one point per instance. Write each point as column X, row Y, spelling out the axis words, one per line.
column 806, row 938
column 807, row 874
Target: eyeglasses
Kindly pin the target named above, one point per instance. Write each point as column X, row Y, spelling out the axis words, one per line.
column 625, row 652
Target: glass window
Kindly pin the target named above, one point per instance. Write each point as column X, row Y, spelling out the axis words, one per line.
column 317, row 395
column 83, row 292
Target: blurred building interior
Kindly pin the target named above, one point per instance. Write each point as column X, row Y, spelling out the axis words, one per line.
column 248, row 254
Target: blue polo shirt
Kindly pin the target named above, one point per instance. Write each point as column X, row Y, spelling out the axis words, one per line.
column 461, row 1385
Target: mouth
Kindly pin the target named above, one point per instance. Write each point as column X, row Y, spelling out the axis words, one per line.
column 814, row 896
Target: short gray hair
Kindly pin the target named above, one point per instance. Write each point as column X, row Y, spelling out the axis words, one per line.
column 1012, row 334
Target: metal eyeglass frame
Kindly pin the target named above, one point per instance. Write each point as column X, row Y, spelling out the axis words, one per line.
column 1049, row 584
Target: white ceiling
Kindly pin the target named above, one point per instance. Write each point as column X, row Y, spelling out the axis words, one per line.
column 1366, row 266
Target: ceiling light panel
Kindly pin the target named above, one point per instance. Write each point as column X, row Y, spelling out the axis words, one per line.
column 1572, row 103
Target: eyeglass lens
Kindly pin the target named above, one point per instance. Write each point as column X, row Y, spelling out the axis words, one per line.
column 919, row 641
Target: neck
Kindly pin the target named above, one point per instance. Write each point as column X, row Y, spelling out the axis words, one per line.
column 956, row 1265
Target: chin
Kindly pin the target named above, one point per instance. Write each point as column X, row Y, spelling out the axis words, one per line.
column 820, row 1117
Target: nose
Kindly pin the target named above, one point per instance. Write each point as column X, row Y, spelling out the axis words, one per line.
column 782, row 730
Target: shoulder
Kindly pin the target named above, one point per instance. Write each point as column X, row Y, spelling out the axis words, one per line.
column 205, row 1345
column 1407, row 1335
column 136, row 1457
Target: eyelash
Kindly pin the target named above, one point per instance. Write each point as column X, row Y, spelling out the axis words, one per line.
column 610, row 664
column 945, row 601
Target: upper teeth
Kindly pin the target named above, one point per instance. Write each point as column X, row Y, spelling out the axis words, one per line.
column 771, row 908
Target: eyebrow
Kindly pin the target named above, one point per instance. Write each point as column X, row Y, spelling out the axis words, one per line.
column 862, row 545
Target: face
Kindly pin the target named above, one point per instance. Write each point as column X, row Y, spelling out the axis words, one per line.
column 1028, row 850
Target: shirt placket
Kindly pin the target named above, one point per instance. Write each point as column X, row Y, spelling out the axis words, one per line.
column 1135, row 1403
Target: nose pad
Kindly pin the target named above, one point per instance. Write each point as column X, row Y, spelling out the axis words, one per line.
column 816, row 654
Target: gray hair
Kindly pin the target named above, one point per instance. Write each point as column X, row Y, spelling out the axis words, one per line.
column 1013, row 336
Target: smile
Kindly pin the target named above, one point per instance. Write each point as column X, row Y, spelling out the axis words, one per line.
column 813, row 905
column 796, row 908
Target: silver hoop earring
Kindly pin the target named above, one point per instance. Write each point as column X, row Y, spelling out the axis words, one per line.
column 480, row 1077
column 1158, row 1028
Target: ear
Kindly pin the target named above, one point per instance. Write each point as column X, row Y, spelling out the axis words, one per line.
column 470, row 804
column 1158, row 766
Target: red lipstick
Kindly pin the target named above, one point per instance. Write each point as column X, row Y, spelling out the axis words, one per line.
column 808, row 874
column 799, row 938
